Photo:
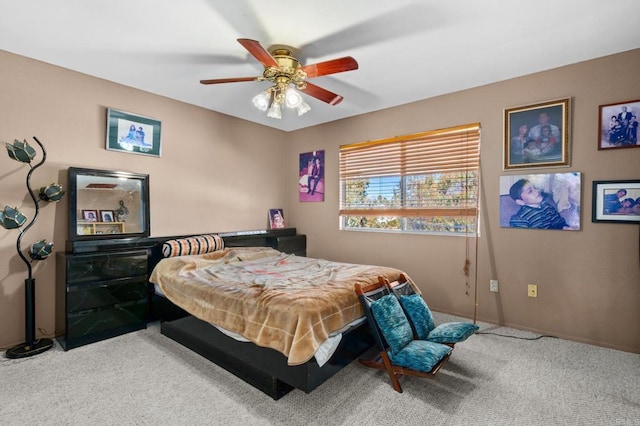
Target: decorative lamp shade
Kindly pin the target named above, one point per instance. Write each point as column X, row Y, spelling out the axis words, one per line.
column 21, row 151
column 274, row 111
column 303, row 108
column 41, row 250
column 262, row 100
column 11, row 218
column 51, row 192
column 292, row 98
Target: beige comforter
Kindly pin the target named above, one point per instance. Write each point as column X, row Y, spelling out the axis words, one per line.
column 280, row 301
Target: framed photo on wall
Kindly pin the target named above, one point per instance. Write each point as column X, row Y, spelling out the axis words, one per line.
column 616, row 201
column 618, row 125
column 540, row 201
column 537, row 135
column 135, row 134
column 311, row 185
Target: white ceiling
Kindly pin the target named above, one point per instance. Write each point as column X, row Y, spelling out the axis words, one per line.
column 407, row 50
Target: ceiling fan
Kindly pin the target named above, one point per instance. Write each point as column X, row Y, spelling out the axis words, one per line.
column 286, row 72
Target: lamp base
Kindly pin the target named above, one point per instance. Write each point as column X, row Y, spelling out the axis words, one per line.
column 23, row 350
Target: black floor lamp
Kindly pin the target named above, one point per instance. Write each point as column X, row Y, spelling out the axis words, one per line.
column 12, row 218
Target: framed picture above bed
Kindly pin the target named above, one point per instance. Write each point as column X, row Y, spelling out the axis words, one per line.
column 135, row 134
column 537, row 135
column 311, row 187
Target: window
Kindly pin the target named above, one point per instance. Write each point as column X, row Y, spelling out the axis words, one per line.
column 420, row 183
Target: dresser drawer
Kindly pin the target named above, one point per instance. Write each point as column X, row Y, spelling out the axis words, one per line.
column 87, row 296
column 102, row 267
column 86, row 323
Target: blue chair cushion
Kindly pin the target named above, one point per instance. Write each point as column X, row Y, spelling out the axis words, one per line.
column 452, row 332
column 392, row 322
column 420, row 355
column 419, row 314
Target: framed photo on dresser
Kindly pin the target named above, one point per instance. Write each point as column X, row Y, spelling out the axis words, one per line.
column 276, row 219
column 616, row 201
column 90, row 215
column 107, row 215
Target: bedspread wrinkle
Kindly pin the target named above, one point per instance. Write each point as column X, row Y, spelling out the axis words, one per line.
column 285, row 302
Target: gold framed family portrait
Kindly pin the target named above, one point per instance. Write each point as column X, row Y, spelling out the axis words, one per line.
column 537, row 135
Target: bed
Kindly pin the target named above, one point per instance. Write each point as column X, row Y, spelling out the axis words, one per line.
column 277, row 320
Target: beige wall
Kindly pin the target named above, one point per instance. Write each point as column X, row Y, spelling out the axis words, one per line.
column 216, row 173
column 214, row 170
column 588, row 281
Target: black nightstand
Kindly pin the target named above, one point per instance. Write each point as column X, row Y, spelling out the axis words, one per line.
column 294, row 244
column 100, row 295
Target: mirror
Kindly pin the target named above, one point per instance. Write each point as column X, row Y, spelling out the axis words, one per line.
column 107, row 204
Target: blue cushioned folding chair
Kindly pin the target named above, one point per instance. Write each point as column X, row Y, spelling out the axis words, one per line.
column 421, row 319
column 399, row 353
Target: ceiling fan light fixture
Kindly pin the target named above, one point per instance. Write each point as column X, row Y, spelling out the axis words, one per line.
column 303, row 108
column 288, row 74
column 262, row 100
column 275, row 111
column 292, row 98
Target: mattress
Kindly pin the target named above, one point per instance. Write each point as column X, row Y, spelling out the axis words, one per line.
column 285, row 302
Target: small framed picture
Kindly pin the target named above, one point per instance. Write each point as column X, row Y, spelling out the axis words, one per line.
column 537, row 135
column 276, row 218
column 107, row 215
column 311, row 187
column 90, row 215
column 618, row 125
column 616, row 201
column 136, row 134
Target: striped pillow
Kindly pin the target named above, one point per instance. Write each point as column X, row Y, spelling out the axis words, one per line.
column 193, row 245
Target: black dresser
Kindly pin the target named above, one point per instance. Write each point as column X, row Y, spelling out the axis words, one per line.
column 101, row 295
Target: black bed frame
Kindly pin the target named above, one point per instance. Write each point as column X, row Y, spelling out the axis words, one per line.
column 264, row 368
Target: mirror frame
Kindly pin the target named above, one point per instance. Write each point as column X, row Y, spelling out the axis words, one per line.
column 75, row 172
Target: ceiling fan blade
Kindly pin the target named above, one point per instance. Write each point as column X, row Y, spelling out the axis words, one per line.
column 259, row 52
column 402, row 21
column 330, row 67
column 323, row 94
column 228, row 80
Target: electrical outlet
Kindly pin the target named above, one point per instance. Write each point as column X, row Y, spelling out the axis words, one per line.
column 532, row 290
column 493, row 285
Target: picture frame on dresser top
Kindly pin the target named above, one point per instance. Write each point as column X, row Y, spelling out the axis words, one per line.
column 107, row 216
column 122, row 196
column 90, row 215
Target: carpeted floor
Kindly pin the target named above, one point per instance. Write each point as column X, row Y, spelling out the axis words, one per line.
column 144, row 378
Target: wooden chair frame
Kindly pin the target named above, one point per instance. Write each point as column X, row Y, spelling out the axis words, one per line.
column 370, row 293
